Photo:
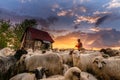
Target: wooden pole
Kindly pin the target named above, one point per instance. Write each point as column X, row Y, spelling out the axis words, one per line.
column 23, row 41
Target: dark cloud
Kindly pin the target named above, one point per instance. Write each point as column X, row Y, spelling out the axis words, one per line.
column 12, row 16
column 76, row 26
column 52, row 19
column 101, row 19
column 45, row 23
column 107, row 38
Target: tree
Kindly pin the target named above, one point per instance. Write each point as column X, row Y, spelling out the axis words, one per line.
column 19, row 30
column 10, row 36
column 4, row 32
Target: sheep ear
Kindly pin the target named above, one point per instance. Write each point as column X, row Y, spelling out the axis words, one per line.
column 103, row 62
column 45, row 70
column 96, row 60
column 76, row 74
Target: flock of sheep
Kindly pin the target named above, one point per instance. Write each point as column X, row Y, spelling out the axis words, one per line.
column 59, row 64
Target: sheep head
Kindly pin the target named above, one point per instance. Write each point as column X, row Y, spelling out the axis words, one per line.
column 19, row 53
column 76, row 75
column 76, row 54
column 39, row 72
column 99, row 63
column 73, row 73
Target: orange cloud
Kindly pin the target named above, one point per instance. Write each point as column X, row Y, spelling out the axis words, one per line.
column 65, row 42
column 97, row 40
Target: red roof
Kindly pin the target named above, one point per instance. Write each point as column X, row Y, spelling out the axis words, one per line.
column 39, row 35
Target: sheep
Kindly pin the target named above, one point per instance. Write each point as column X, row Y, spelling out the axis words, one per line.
column 67, row 57
column 110, row 52
column 72, row 73
column 5, row 52
column 66, row 67
column 87, row 52
column 15, row 69
column 84, row 61
column 107, row 69
column 31, row 52
column 51, row 61
column 33, row 75
column 7, row 62
column 87, row 76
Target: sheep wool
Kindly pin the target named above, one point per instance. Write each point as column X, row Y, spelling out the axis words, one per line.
column 50, row 61
column 107, row 68
column 72, row 73
column 84, row 61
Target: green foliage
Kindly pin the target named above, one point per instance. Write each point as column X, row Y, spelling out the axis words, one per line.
column 12, row 34
column 19, row 30
column 4, row 29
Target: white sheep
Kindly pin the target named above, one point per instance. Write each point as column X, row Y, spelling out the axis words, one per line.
column 107, row 68
column 71, row 74
column 6, row 51
column 67, row 57
column 24, row 76
column 66, row 67
column 51, row 61
column 87, row 76
column 37, row 74
column 31, row 52
column 84, row 61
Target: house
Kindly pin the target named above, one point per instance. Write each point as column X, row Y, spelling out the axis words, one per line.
column 36, row 39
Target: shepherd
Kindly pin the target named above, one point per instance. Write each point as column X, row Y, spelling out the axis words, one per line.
column 79, row 44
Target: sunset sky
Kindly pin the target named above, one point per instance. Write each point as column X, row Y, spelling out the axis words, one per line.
column 95, row 22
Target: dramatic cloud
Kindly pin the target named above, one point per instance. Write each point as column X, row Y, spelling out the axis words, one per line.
column 87, row 19
column 68, row 40
column 100, row 20
column 101, row 39
column 45, row 23
column 113, row 4
column 72, row 11
column 101, row 13
column 12, row 16
column 65, row 13
column 97, row 29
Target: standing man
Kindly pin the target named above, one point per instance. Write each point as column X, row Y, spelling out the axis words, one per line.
column 79, row 44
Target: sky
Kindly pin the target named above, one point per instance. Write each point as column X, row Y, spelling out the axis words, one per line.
column 95, row 22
